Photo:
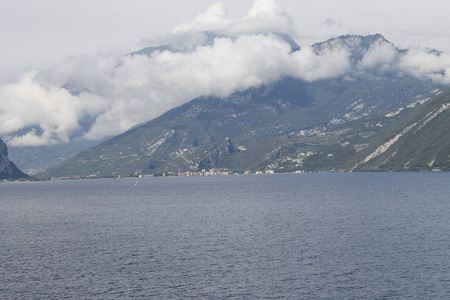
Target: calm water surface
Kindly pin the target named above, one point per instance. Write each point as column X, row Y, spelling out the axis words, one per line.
column 305, row 236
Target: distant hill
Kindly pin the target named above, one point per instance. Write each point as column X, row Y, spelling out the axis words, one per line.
column 35, row 159
column 8, row 169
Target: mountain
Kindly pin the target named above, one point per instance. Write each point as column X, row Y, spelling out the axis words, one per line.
column 206, row 38
column 418, row 142
column 35, row 159
column 377, row 142
column 290, row 125
column 358, row 45
column 8, row 169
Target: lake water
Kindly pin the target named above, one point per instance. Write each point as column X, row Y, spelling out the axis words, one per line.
column 304, row 236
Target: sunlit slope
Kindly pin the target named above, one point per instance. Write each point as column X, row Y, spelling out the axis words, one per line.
column 418, row 142
column 257, row 122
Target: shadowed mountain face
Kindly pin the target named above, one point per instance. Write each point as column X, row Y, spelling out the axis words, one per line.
column 7, row 169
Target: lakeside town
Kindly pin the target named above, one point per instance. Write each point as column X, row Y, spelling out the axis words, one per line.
column 286, row 165
column 212, row 172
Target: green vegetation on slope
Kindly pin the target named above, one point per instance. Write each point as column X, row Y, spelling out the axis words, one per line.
column 289, row 126
column 418, row 142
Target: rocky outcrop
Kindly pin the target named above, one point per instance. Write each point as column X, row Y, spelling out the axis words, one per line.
column 7, row 168
column 209, row 160
column 357, row 45
column 277, row 153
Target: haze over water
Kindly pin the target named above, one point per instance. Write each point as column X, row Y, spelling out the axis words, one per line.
column 306, row 236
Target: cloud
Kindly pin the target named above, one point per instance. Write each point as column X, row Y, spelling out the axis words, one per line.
column 103, row 95
column 116, row 93
column 329, row 23
column 93, row 97
column 311, row 67
column 265, row 16
column 53, row 110
column 380, row 55
column 214, row 19
column 145, row 87
column 426, row 63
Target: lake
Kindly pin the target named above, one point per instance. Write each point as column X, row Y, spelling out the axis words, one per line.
column 302, row 236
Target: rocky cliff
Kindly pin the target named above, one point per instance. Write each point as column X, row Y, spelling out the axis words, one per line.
column 211, row 157
column 7, row 169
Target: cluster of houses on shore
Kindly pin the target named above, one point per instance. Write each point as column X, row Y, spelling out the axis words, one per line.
column 216, row 172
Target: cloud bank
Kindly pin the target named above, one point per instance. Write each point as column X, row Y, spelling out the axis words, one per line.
column 93, row 97
column 265, row 16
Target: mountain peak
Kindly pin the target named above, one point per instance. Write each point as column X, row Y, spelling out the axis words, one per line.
column 355, row 43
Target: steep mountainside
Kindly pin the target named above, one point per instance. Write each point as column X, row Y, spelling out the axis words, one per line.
column 418, row 142
column 261, row 124
column 37, row 158
column 291, row 125
column 7, row 168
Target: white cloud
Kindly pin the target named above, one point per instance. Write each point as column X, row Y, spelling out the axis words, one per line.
column 265, row 16
column 329, row 23
column 310, row 67
column 380, row 55
column 111, row 93
column 52, row 109
column 121, row 92
column 214, row 19
column 424, row 63
column 146, row 87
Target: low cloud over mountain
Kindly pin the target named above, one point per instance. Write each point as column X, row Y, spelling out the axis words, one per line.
column 92, row 97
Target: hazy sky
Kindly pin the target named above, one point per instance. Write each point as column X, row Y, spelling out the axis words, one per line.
column 39, row 33
column 64, row 75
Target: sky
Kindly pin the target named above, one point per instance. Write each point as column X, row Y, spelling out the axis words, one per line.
column 40, row 33
column 48, row 43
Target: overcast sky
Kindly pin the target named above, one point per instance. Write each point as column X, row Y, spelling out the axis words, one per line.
column 40, row 33
column 64, row 75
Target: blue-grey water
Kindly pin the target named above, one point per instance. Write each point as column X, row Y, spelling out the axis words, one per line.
column 305, row 236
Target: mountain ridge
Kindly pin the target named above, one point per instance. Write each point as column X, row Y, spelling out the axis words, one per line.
column 182, row 136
